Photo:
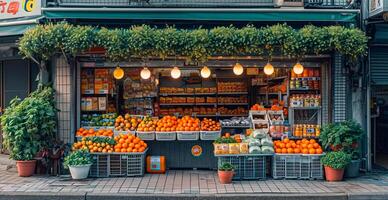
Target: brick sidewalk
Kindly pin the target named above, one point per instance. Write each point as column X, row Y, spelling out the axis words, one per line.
column 188, row 182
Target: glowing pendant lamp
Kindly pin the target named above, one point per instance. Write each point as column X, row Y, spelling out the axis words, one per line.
column 118, row 73
column 298, row 68
column 205, row 72
column 268, row 69
column 238, row 69
column 145, row 73
column 175, row 73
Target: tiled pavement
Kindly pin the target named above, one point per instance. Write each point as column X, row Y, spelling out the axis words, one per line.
column 188, row 182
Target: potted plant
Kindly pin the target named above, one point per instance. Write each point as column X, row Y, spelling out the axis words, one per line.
column 29, row 126
column 344, row 136
column 335, row 163
column 225, row 173
column 78, row 162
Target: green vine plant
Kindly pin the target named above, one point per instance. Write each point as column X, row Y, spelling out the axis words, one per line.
column 43, row 41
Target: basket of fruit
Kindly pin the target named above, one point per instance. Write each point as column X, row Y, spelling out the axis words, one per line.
column 126, row 124
column 146, row 128
column 82, row 132
column 188, row 128
column 165, row 128
column 210, row 129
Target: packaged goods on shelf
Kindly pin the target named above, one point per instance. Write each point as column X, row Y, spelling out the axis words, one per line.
column 236, row 111
column 278, row 131
column 225, row 87
column 87, row 81
column 101, row 81
column 305, row 100
column 93, row 103
column 309, row 80
column 211, row 99
column 306, row 130
column 241, row 99
column 236, row 122
column 199, row 99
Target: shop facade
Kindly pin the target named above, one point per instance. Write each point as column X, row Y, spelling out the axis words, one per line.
column 88, row 93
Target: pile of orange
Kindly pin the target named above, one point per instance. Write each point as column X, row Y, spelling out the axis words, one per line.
column 167, row 124
column 188, row 123
column 148, row 124
column 129, row 143
column 91, row 132
column 126, row 123
column 303, row 146
column 210, row 125
column 94, row 146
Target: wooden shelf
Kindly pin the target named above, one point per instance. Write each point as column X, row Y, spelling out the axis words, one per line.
column 232, row 93
column 232, row 104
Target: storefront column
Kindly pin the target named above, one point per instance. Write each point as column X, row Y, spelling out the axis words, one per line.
column 63, row 86
column 340, row 90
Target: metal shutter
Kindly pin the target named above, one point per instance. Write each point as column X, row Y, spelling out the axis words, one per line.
column 379, row 65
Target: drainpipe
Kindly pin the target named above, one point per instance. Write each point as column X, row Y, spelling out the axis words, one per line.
column 368, row 117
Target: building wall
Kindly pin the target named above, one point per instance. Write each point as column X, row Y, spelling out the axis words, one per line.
column 62, row 74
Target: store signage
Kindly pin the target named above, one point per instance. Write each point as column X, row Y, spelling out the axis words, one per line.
column 252, row 71
column 376, row 7
column 196, row 150
column 11, row 9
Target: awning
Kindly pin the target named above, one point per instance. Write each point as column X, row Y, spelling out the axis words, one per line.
column 206, row 14
column 18, row 27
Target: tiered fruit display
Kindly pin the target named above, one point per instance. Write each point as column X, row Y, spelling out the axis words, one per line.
column 95, row 144
column 148, row 124
column 126, row 123
column 188, row 123
column 129, row 143
column 258, row 107
column 82, row 132
column 304, row 146
column 210, row 125
column 167, row 124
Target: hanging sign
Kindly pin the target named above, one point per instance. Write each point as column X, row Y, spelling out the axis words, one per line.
column 11, row 9
column 196, row 150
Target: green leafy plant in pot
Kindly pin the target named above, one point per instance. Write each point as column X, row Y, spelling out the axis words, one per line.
column 78, row 162
column 225, row 173
column 29, row 126
column 335, row 163
column 344, row 136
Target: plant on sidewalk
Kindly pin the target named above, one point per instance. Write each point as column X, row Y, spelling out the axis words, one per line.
column 77, row 158
column 342, row 136
column 226, row 167
column 29, row 125
column 336, row 159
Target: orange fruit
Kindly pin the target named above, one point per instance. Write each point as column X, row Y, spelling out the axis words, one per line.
column 310, row 146
column 288, row 145
column 282, row 145
column 121, row 140
column 318, row 151
column 316, row 145
column 284, row 150
column 118, row 146
column 305, row 151
column 293, row 145
column 304, row 146
column 311, row 151
column 290, row 150
column 286, row 140
column 312, row 141
column 296, row 150
column 124, row 145
column 123, row 150
column 277, row 150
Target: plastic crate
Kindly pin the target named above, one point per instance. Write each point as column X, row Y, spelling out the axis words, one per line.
column 297, row 166
column 247, row 166
column 100, row 166
column 165, row 136
column 210, row 135
column 116, row 133
column 149, row 135
column 187, row 135
column 127, row 164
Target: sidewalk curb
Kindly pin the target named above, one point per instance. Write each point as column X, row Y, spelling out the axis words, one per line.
column 368, row 196
column 42, row 196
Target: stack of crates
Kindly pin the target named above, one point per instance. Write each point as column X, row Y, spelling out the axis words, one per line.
column 247, row 166
column 297, row 166
column 117, row 164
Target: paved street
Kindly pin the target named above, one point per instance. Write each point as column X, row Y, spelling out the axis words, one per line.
column 188, row 184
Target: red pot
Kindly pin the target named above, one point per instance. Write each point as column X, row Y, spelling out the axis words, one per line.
column 225, row 176
column 336, row 147
column 26, row 168
column 334, row 174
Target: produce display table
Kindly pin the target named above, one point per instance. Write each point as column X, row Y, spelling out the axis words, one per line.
column 184, row 154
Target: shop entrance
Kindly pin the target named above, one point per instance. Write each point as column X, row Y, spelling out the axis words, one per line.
column 299, row 102
column 379, row 125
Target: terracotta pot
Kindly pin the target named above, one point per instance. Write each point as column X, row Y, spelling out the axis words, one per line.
column 225, row 176
column 26, row 168
column 334, row 174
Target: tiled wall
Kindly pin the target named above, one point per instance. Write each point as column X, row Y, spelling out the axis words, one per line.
column 63, row 85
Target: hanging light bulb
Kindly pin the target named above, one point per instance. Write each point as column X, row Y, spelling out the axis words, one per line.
column 238, row 69
column 156, row 81
column 118, row 73
column 175, row 73
column 145, row 73
column 298, row 68
column 205, row 72
column 268, row 69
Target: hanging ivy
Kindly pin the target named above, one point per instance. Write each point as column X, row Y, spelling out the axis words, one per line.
column 42, row 41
